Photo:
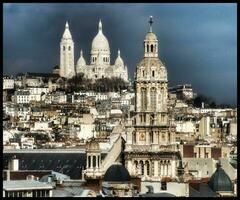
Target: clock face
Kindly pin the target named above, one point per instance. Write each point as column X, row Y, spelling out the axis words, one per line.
column 142, row 136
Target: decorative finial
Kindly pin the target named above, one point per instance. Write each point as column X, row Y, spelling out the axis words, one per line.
column 118, row 52
column 81, row 53
column 150, row 23
column 66, row 25
column 100, row 25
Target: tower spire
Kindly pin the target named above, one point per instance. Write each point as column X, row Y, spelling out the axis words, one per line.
column 66, row 25
column 119, row 52
column 150, row 23
column 100, row 25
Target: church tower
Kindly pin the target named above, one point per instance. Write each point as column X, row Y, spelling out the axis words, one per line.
column 67, row 69
column 150, row 151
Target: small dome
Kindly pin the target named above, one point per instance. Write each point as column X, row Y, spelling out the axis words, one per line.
column 117, row 173
column 81, row 61
column 92, row 145
column 119, row 61
column 220, row 181
column 150, row 36
column 100, row 42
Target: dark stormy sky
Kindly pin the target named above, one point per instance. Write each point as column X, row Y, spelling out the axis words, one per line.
column 197, row 42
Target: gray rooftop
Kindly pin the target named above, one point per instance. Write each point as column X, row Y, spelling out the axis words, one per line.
column 24, row 184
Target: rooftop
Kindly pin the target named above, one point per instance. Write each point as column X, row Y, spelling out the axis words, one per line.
column 24, row 185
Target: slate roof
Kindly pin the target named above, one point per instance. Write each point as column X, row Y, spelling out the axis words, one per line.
column 70, row 164
column 204, row 191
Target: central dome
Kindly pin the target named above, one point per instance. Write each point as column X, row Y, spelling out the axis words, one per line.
column 100, row 42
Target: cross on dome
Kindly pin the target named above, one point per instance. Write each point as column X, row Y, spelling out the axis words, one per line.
column 150, row 23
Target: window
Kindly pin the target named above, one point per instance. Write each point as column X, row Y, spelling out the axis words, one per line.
column 94, row 161
column 89, row 161
column 147, row 48
column 69, row 48
column 148, row 168
column 98, row 161
column 151, row 48
column 134, row 138
column 143, row 73
column 163, row 185
column 151, row 137
column 63, row 48
column 153, row 73
column 143, row 99
column 153, row 96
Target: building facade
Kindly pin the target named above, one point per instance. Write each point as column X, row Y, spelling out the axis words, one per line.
column 99, row 66
column 150, row 151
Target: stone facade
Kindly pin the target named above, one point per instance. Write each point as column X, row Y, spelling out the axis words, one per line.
column 150, row 151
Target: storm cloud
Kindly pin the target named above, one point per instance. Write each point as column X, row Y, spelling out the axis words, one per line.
column 197, row 42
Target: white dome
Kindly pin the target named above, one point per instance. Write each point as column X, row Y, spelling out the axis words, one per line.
column 119, row 61
column 100, row 42
column 81, row 61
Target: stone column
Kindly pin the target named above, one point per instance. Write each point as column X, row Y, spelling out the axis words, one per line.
column 145, row 169
column 170, row 169
column 165, row 169
column 87, row 162
column 161, row 165
column 156, row 168
column 91, row 162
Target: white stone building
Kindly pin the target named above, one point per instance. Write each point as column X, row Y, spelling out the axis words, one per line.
column 8, row 82
column 99, row 66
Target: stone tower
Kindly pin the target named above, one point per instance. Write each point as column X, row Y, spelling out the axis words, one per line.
column 67, row 68
column 93, row 160
column 150, row 151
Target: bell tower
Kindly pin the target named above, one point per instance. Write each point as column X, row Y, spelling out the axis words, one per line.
column 67, row 68
column 150, row 43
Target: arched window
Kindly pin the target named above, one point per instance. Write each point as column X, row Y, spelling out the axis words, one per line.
column 89, row 161
column 153, row 97
column 142, row 167
column 94, row 161
column 148, row 168
column 69, row 48
column 151, row 48
column 143, row 99
column 63, row 48
column 136, row 166
column 143, row 73
column 98, row 161
column 147, row 48
column 134, row 138
column 151, row 137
